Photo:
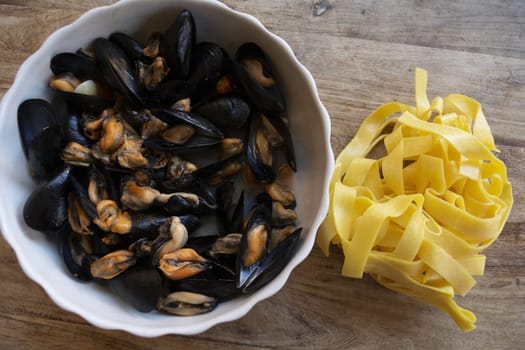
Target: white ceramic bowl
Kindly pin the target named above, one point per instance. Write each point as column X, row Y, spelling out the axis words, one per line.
column 310, row 126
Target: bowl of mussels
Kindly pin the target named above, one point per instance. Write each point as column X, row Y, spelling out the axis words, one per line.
column 165, row 165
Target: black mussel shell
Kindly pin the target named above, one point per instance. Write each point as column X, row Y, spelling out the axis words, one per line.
column 81, row 66
column 72, row 131
column 237, row 218
column 201, row 243
column 46, row 208
column 117, row 70
column 264, row 173
column 207, row 63
column 140, row 286
column 226, row 112
column 217, row 282
column 41, row 137
column 145, row 224
column 180, row 205
column 206, row 194
column 267, row 100
column 131, row 47
column 261, row 214
column 273, row 263
column 169, row 92
column 191, row 222
column 201, row 125
column 79, row 103
column 135, row 118
column 70, row 122
column 83, row 197
column 230, row 214
column 78, row 251
column 216, row 171
column 34, row 115
column 224, row 194
column 44, row 151
column 279, row 124
column 254, row 51
column 76, row 258
column 195, row 143
column 177, row 44
column 222, row 289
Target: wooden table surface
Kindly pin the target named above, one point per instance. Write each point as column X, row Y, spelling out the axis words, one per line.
column 362, row 54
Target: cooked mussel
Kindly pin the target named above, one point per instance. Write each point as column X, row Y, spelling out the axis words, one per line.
column 273, row 263
column 186, row 303
column 117, row 70
column 254, row 77
column 112, row 264
column 79, row 81
column 226, row 112
column 140, row 286
column 41, row 137
column 259, row 153
column 172, row 236
column 131, row 47
column 177, row 44
column 46, row 208
column 182, row 263
column 79, row 65
column 206, row 65
column 201, row 125
column 255, row 240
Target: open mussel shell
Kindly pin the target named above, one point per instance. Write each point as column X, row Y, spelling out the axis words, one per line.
column 255, row 78
column 177, row 44
column 273, row 263
column 255, row 241
column 215, row 282
column 83, row 68
column 145, row 224
column 78, row 251
column 131, row 47
column 226, row 112
column 75, row 255
column 279, row 124
column 186, row 303
column 259, row 153
column 117, row 70
column 46, row 208
column 201, row 125
column 197, row 142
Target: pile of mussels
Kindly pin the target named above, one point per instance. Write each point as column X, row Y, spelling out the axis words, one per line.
column 171, row 203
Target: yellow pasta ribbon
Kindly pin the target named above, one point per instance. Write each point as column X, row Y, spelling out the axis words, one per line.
column 417, row 218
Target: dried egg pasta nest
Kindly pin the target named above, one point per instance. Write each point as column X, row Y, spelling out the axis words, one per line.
column 417, row 218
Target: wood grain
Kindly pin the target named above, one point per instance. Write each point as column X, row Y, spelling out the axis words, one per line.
column 362, row 54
